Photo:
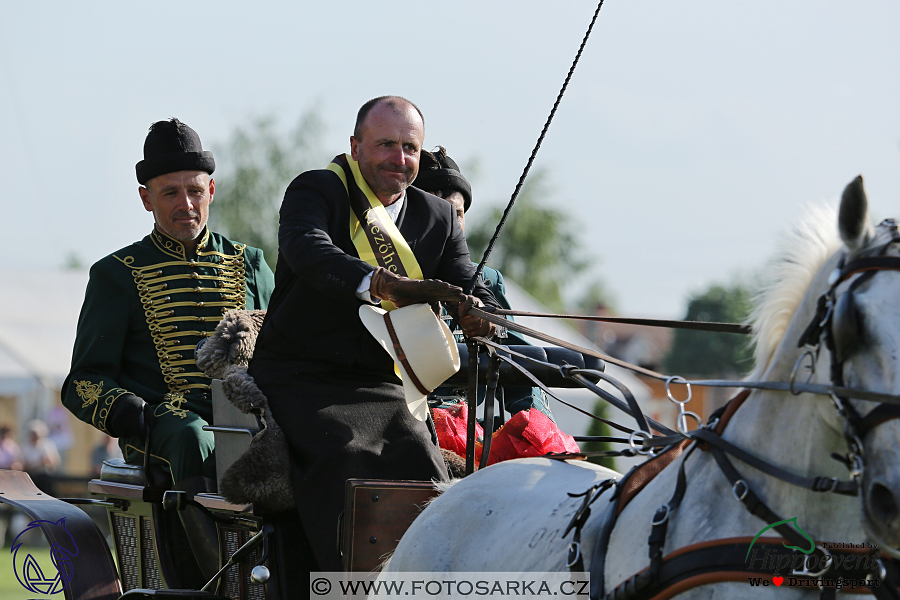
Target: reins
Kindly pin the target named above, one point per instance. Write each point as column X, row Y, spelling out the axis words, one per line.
column 793, row 386
column 669, row 324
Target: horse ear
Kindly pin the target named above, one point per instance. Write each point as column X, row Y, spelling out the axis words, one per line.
column 853, row 219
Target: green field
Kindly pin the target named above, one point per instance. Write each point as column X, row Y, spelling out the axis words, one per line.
column 10, row 588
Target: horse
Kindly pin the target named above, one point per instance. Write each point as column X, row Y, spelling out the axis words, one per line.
column 523, row 515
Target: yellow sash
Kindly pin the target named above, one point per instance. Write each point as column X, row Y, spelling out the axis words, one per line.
column 377, row 239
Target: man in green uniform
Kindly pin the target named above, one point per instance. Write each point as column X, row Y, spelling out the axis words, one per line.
column 440, row 175
column 146, row 308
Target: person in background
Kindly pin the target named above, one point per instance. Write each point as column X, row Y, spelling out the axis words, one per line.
column 60, row 431
column 105, row 449
column 10, row 453
column 39, row 454
column 440, row 175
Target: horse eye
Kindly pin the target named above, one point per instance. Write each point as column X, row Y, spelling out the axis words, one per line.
column 846, row 326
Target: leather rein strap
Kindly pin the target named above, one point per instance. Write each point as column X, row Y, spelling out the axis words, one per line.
column 780, row 386
column 691, row 325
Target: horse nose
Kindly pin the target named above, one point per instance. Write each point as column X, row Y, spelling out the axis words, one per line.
column 882, row 503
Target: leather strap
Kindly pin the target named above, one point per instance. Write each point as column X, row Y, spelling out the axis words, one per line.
column 693, row 325
column 816, row 484
column 401, row 355
column 723, row 560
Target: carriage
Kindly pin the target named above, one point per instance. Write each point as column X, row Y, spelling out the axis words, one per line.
column 807, row 452
column 255, row 543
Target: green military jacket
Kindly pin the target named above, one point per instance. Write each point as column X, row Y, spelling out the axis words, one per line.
column 145, row 309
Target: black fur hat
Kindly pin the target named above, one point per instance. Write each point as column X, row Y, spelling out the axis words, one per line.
column 172, row 146
column 437, row 171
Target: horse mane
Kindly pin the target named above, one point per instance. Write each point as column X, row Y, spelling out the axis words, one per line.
column 803, row 251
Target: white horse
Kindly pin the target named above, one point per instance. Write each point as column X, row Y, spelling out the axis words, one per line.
column 511, row 517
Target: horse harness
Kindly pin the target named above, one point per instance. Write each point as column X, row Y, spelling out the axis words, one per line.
column 722, row 560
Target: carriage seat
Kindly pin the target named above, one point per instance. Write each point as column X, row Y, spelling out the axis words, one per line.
column 116, row 470
column 252, row 461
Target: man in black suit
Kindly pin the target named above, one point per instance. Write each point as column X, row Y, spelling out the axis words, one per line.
column 353, row 233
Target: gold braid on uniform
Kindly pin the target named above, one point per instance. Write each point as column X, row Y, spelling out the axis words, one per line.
column 164, row 293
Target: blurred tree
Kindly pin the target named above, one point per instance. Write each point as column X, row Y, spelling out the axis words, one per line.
column 538, row 247
column 257, row 163
column 596, row 294
column 707, row 354
column 73, row 262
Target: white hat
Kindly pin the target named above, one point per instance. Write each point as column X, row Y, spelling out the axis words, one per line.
column 421, row 345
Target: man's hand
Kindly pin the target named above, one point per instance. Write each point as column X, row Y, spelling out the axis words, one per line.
column 403, row 291
column 130, row 417
column 471, row 325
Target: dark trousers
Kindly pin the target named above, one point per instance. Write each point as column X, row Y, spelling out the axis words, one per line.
column 342, row 425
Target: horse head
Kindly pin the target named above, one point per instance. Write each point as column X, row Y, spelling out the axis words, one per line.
column 832, row 318
column 864, row 339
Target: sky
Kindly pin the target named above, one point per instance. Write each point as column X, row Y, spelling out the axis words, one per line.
column 690, row 135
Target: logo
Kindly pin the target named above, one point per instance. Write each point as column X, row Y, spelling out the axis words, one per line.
column 47, row 578
column 812, row 543
column 827, row 565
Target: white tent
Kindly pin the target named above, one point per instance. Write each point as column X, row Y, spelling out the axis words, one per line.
column 36, row 337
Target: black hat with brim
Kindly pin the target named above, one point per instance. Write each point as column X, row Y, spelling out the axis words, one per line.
column 172, row 146
column 439, row 172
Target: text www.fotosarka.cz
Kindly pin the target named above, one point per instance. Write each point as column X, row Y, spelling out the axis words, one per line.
column 334, row 586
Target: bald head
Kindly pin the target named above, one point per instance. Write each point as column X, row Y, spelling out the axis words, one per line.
column 397, row 103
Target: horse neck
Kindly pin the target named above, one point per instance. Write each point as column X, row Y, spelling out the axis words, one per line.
column 797, row 433
column 787, row 429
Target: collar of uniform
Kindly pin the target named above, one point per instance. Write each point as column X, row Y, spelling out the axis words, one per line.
column 173, row 247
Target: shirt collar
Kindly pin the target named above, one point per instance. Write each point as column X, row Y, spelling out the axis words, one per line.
column 394, row 209
column 173, row 246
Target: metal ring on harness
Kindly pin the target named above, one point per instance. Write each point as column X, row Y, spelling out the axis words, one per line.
column 739, row 496
column 826, row 555
column 681, row 421
column 660, row 519
column 574, row 554
column 678, row 379
column 812, row 369
column 639, row 448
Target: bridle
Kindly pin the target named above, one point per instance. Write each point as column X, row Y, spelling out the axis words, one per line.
column 836, row 323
